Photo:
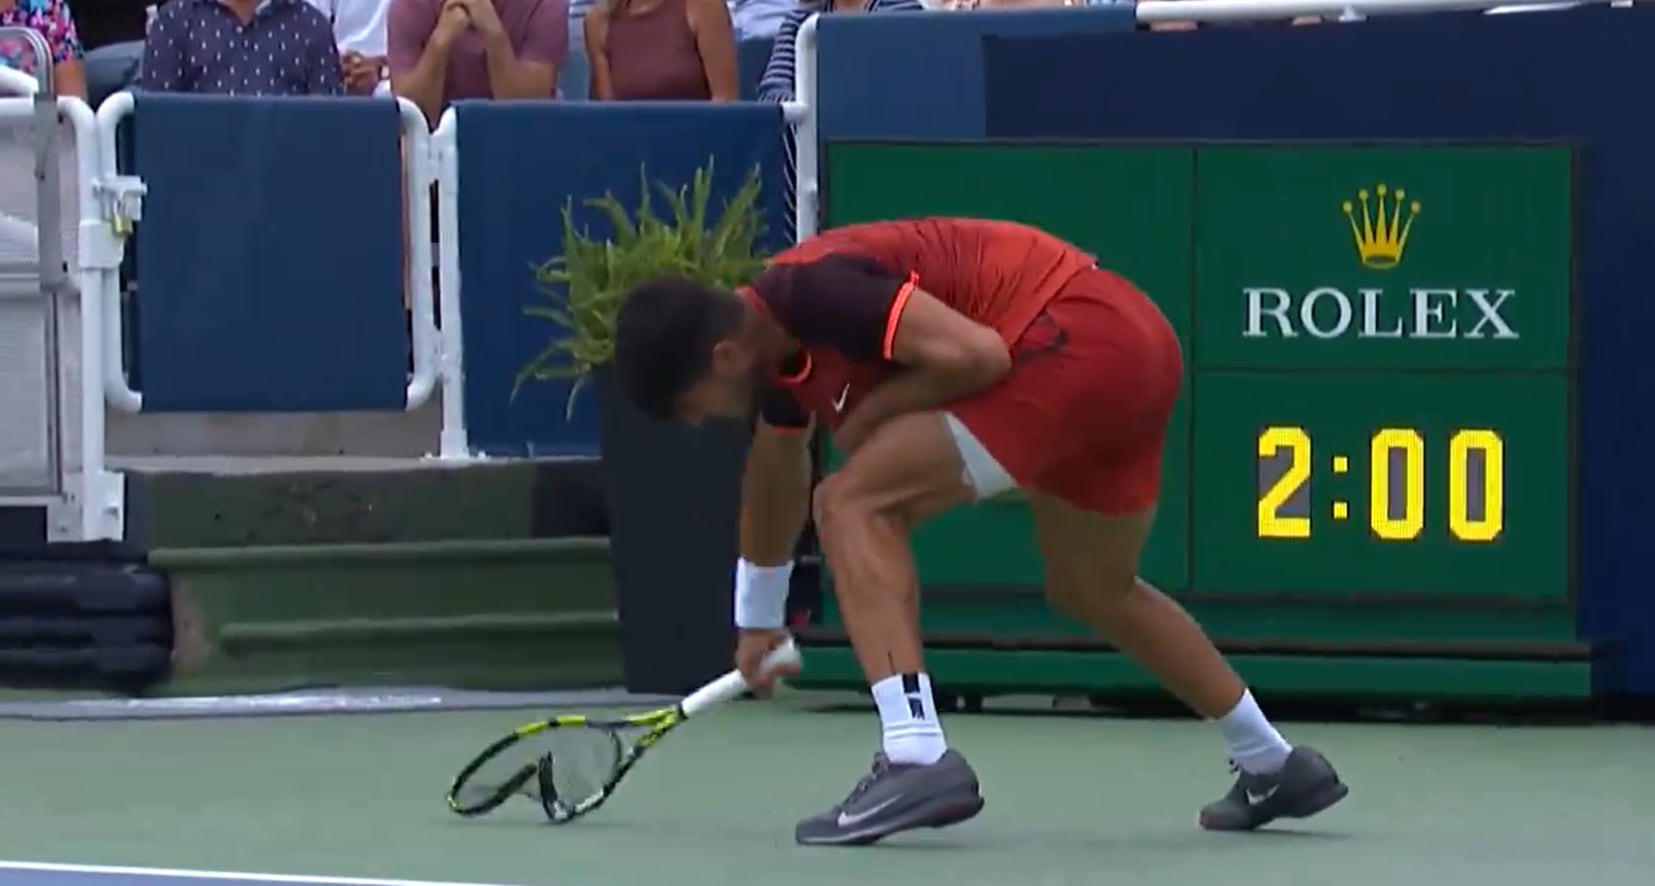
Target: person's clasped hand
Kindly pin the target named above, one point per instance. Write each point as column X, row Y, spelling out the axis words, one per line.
column 451, row 23
column 482, row 15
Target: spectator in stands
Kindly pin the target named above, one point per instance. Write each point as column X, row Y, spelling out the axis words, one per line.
column 52, row 20
column 662, row 50
column 752, row 19
column 445, row 50
column 241, row 47
column 777, row 82
column 359, row 31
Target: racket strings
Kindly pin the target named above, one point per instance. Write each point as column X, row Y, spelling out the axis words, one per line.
column 579, row 766
column 509, row 771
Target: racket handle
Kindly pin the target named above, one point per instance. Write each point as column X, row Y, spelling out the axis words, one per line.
column 732, row 685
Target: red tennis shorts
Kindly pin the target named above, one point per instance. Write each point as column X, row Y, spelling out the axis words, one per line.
column 1083, row 413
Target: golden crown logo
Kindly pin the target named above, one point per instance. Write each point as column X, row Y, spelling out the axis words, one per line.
column 1382, row 231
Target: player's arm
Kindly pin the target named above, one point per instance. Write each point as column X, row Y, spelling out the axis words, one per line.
column 775, row 498
column 871, row 312
column 945, row 355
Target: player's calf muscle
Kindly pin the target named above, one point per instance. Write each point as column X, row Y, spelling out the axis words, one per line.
column 874, row 580
column 907, row 471
column 1155, row 631
column 1091, row 566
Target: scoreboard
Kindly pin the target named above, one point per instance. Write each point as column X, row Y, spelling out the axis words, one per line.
column 1378, row 342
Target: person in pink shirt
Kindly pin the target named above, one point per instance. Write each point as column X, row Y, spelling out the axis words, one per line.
column 51, row 20
column 440, row 51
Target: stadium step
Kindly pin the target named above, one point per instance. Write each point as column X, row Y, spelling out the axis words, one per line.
column 491, row 614
column 270, row 574
column 201, row 502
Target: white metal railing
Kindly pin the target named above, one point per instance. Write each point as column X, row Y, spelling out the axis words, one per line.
column 417, row 179
column 98, row 264
column 453, row 442
column 807, row 175
column 90, row 503
column 15, row 82
column 120, row 207
column 121, row 197
column 92, row 497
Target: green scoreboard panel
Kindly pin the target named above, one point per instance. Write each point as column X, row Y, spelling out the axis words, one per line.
column 1378, row 338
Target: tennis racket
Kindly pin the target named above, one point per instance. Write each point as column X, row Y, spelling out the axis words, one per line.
column 570, row 765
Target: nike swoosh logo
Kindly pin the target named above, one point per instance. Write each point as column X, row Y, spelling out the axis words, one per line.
column 839, row 404
column 1258, row 797
column 846, row 819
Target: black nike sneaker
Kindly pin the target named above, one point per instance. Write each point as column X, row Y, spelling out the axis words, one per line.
column 1305, row 785
column 896, row 797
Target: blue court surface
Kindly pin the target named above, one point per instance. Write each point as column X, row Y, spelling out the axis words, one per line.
column 18, row 873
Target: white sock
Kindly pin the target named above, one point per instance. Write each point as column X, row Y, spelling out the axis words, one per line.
column 1254, row 744
column 908, row 719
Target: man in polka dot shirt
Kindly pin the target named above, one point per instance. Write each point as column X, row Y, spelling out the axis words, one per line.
column 242, row 47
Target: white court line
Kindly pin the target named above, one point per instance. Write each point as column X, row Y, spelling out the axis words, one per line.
column 110, row 871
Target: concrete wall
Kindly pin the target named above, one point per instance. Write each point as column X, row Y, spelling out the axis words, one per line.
column 389, row 435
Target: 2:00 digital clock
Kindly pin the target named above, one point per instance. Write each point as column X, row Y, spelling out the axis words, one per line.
column 1396, row 469
column 1412, row 483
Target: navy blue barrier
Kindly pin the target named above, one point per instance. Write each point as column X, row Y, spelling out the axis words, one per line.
column 519, row 164
column 920, row 74
column 1437, row 77
column 272, row 254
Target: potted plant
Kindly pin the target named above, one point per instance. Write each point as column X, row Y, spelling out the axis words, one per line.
column 672, row 491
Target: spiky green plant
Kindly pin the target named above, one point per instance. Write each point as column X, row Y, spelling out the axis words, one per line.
column 581, row 289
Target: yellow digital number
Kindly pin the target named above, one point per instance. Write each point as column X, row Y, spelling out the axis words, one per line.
column 1271, row 441
column 1493, row 521
column 1412, row 521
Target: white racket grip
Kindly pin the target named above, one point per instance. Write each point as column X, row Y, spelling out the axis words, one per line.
column 732, row 685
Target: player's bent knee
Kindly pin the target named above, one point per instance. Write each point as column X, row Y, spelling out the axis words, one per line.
column 834, row 500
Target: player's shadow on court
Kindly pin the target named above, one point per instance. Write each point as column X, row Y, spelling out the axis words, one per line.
column 531, row 820
column 989, row 838
column 987, row 833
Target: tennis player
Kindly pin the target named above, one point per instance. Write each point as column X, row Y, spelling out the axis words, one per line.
column 953, row 359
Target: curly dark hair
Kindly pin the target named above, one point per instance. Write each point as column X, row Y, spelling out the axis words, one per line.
column 665, row 332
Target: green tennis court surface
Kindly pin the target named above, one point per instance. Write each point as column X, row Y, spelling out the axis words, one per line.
column 1070, row 800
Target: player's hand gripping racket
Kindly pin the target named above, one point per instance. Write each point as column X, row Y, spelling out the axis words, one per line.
column 571, row 764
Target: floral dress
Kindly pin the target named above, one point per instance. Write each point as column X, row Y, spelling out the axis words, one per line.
column 48, row 18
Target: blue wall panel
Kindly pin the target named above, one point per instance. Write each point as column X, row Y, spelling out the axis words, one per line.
column 920, row 74
column 272, row 254
column 520, row 163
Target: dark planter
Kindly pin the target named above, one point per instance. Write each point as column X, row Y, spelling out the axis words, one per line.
column 674, row 498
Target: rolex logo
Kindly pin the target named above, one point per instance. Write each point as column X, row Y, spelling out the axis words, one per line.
column 1379, row 225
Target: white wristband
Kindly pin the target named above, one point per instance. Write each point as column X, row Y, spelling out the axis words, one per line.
column 761, row 594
